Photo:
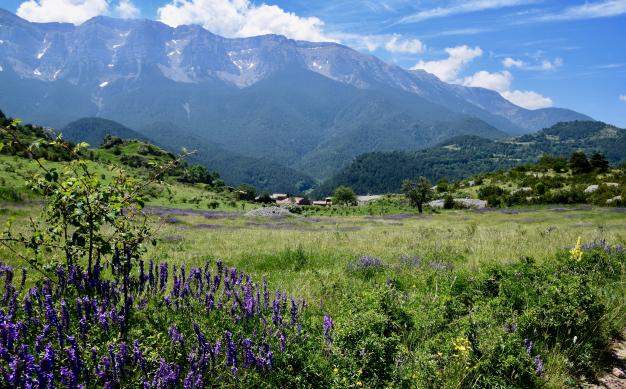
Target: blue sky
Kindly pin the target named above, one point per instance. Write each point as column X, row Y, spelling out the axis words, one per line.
column 536, row 53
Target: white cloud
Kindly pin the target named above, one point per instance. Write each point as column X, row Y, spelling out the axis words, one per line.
column 599, row 9
column 551, row 65
column 527, row 99
column 622, row 97
column 397, row 45
column 242, row 18
column 127, row 10
column 501, row 83
column 498, row 81
column 545, row 64
column 509, row 62
column 448, row 69
column 394, row 43
column 69, row 11
column 462, row 7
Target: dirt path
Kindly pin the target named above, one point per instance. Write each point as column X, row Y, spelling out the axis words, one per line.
column 615, row 377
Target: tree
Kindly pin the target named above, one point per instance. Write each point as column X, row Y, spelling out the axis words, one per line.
column 448, row 202
column 265, row 198
column 85, row 217
column 418, row 192
column 442, row 185
column 599, row 162
column 195, row 174
column 245, row 192
column 558, row 164
column 579, row 164
column 344, row 195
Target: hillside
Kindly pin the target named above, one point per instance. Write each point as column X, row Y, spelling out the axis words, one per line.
column 185, row 185
column 465, row 156
column 94, row 130
column 307, row 106
column 263, row 174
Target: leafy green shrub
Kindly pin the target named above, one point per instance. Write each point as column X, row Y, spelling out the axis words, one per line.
column 369, row 343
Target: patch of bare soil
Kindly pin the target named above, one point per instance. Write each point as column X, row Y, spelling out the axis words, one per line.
column 615, row 375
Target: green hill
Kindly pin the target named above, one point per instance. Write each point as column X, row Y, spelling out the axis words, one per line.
column 262, row 173
column 464, row 156
column 93, row 131
column 186, row 185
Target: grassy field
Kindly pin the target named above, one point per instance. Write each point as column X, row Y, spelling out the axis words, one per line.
column 431, row 260
column 296, row 251
column 466, row 239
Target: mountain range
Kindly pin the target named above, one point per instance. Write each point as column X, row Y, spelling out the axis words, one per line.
column 273, row 106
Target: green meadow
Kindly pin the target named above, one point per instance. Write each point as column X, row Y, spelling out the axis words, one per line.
column 419, row 300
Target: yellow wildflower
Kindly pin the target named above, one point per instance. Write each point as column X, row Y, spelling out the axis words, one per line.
column 360, row 371
column 462, row 347
column 577, row 252
column 359, row 383
column 336, row 371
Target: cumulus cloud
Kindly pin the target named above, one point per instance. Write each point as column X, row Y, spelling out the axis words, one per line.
column 622, row 97
column 448, row 69
column 527, row 99
column 69, row 11
column 458, row 57
column 242, row 18
column 127, row 10
column 501, row 83
column 498, row 81
column 398, row 45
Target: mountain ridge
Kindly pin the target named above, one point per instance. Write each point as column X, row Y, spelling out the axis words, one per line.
column 303, row 107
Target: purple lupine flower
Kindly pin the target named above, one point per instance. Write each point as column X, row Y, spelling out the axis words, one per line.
column 328, row 325
column 220, row 266
column 136, row 352
column 218, row 347
column 163, row 279
column 249, row 359
column 112, row 359
column 68, row 378
column 28, row 308
column 248, row 300
column 231, row 350
column 528, row 344
column 270, row 358
column 142, row 274
column 124, row 353
column 202, row 342
column 538, row 365
column 138, row 356
column 175, row 335
column 266, row 294
column 176, row 289
column 151, row 274
column 165, row 376
column 294, row 311
column 193, row 380
column 65, row 315
column 282, row 342
column 51, row 317
column 276, row 318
